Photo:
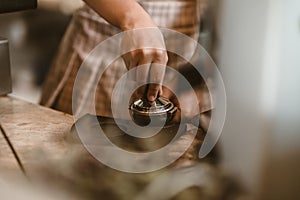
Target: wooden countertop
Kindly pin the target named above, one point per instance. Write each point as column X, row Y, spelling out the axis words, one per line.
column 37, row 134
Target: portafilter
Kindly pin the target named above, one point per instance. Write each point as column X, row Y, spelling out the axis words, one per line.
column 161, row 111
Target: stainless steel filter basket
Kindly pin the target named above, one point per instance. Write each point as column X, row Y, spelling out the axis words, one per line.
column 143, row 113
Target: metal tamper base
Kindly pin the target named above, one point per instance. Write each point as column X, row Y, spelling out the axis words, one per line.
column 163, row 110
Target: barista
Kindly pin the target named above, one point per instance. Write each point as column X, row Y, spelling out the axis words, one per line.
column 100, row 19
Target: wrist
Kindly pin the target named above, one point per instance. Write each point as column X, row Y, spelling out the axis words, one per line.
column 133, row 20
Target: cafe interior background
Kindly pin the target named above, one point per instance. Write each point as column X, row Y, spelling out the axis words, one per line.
column 256, row 45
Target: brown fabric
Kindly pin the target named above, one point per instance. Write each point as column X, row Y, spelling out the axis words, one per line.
column 85, row 32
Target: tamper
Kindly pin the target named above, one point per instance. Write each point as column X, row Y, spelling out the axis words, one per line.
column 160, row 112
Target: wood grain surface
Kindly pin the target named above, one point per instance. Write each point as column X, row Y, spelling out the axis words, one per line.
column 38, row 136
column 37, row 133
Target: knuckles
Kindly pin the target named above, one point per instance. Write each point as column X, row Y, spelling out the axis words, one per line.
column 154, row 55
column 161, row 56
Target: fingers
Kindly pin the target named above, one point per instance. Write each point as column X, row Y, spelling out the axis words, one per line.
column 145, row 50
column 149, row 67
column 157, row 73
column 131, row 62
column 142, row 70
column 153, row 91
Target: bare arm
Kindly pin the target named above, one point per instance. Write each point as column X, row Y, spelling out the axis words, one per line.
column 125, row 14
column 147, row 55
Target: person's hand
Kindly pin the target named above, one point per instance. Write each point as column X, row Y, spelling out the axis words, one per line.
column 142, row 44
column 144, row 52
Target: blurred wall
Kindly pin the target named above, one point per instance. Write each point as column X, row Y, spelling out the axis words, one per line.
column 259, row 60
column 33, row 37
column 282, row 170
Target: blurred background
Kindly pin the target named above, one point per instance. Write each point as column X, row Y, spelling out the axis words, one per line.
column 34, row 37
column 259, row 60
column 256, row 45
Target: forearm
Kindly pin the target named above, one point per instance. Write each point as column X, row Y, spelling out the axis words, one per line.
column 125, row 14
